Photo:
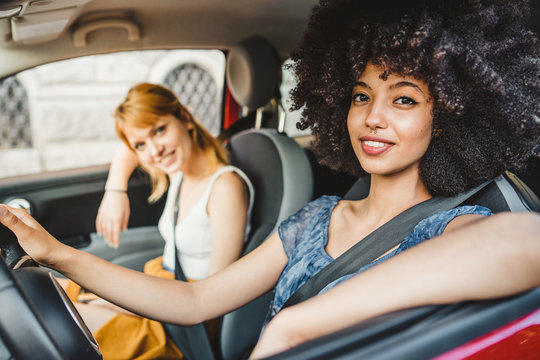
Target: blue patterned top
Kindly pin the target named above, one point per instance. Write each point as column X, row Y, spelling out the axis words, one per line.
column 305, row 234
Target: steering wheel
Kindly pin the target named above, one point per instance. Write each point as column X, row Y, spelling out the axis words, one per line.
column 37, row 319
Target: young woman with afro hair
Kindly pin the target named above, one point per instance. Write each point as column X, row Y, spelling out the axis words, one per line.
column 429, row 98
column 478, row 58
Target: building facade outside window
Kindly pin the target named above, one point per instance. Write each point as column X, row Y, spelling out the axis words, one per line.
column 59, row 116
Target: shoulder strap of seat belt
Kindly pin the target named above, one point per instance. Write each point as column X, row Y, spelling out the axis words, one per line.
column 377, row 243
column 192, row 341
column 178, row 272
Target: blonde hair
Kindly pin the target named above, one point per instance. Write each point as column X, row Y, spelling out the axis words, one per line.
column 144, row 104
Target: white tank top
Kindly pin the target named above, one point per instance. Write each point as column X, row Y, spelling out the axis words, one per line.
column 193, row 233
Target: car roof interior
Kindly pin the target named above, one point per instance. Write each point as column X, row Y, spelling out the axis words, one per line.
column 37, row 32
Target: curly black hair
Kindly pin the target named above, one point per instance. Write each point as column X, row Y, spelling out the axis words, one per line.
column 479, row 59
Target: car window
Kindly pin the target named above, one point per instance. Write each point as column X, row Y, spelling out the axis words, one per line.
column 288, row 82
column 59, row 115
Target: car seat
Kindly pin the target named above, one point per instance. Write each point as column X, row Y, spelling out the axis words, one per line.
column 283, row 184
column 280, row 172
column 281, row 176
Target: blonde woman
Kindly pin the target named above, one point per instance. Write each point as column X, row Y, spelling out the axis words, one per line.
column 214, row 201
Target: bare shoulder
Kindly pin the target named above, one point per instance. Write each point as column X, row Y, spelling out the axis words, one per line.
column 230, row 186
column 229, row 181
column 463, row 220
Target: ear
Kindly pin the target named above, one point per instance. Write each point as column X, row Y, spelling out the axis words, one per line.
column 189, row 124
column 437, row 133
column 187, row 118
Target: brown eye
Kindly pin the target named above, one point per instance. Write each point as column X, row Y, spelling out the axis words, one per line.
column 405, row 100
column 160, row 129
column 359, row 98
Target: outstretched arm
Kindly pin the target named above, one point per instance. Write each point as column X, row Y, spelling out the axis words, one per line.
column 113, row 212
column 157, row 298
column 488, row 258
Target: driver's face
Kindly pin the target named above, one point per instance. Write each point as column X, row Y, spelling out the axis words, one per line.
column 389, row 121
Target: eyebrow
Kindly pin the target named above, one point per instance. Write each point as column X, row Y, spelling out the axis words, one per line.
column 405, row 84
column 362, row 84
column 393, row 86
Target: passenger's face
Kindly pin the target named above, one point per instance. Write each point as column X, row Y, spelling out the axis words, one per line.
column 166, row 145
column 400, row 110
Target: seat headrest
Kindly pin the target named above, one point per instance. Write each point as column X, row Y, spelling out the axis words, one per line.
column 252, row 72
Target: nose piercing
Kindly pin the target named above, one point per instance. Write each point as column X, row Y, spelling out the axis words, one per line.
column 373, row 131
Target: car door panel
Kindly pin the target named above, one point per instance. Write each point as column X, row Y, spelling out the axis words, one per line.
column 66, row 204
column 137, row 246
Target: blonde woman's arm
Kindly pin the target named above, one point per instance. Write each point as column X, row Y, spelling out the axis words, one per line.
column 227, row 210
column 113, row 213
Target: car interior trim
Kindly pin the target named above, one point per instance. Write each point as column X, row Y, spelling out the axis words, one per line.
column 80, row 34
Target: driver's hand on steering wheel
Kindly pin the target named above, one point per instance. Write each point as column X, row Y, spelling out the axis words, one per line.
column 32, row 237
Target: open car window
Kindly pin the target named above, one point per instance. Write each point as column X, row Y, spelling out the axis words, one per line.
column 60, row 115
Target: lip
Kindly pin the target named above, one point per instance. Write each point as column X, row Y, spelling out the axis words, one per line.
column 375, row 150
column 167, row 159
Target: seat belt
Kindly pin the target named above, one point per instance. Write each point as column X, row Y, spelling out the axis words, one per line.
column 377, row 243
column 192, row 341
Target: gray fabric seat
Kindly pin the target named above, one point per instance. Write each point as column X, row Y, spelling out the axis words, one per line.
column 281, row 175
column 283, row 181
